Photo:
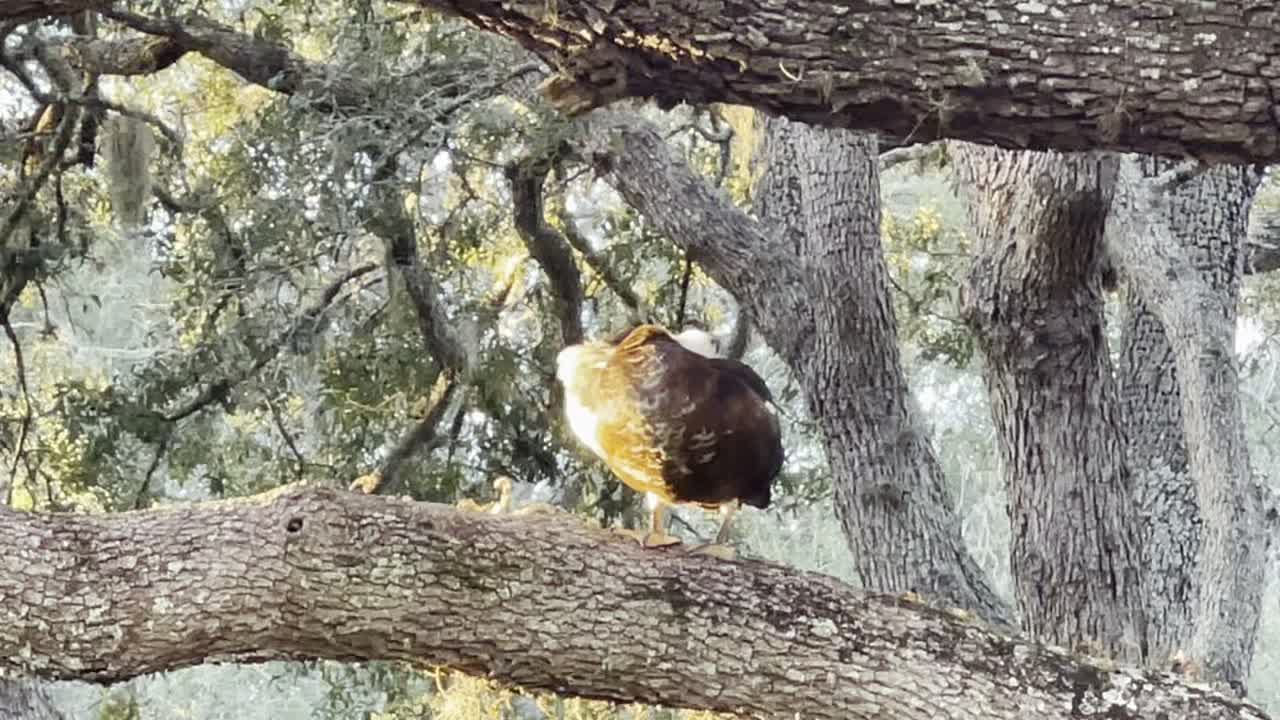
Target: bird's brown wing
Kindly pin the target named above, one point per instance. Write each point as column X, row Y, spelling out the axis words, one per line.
column 693, row 429
column 744, row 373
column 658, row 387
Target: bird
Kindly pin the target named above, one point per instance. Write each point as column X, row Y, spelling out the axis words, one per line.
column 674, row 420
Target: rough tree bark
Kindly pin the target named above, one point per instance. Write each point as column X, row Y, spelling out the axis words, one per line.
column 25, row 700
column 819, row 191
column 1181, row 79
column 1034, row 299
column 823, row 306
column 1207, row 216
column 1193, row 79
column 1235, row 534
column 533, row 601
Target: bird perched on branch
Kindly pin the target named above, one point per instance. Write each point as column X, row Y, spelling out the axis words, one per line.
column 672, row 420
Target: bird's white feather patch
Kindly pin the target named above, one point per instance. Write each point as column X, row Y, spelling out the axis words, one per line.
column 584, row 424
column 699, row 341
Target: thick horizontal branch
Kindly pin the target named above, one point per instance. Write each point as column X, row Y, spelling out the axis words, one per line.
column 543, row 602
column 1167, row 78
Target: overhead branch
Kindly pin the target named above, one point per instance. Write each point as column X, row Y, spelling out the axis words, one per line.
column 320, row 573
column 257, row 61
column 119, row 56
column 1031, row 76
column 546, row 244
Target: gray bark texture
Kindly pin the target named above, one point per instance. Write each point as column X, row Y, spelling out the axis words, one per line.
column 819, row 190
column 546, row 603
column 1196, row 318
column 25, row 700
column 1187, row 79
column 1034, row 300
column 817, row 288
column 1207, row 216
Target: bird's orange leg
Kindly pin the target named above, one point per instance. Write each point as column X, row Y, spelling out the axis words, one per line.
column 721, row 548
column 658, row 536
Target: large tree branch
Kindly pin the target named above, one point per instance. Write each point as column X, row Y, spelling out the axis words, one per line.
column 1177, row 78
column 725, row 241
column 541, row 602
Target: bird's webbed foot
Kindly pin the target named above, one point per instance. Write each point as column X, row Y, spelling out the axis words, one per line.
column 649, row 538
column 723, row 551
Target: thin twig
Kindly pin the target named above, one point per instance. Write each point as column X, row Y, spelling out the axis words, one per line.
column 61, row 141
column 288, row 439
column 684, row 291
column 27, row 413
column 219, row 389
column 144, row 490
column 601, row 267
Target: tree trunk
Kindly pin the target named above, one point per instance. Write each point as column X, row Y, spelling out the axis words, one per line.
column 1198, row 321
column 1034, row 300
column 1164, row 494
column 1207, row 216
column 1193, row 79
column 819, row 190
column 545, row 603
column 819, row 297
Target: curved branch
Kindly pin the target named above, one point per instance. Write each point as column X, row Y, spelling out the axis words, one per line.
column 546, row 603
column 546, row 245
